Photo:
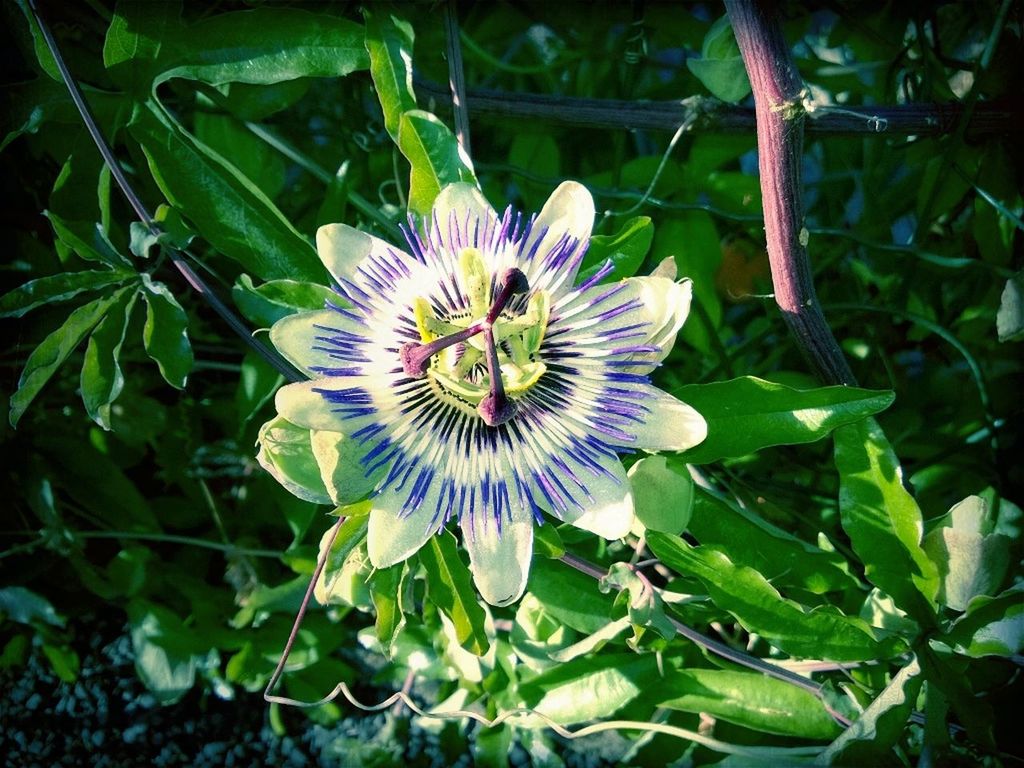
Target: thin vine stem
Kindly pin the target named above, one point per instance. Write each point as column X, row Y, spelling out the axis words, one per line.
column 456, row 74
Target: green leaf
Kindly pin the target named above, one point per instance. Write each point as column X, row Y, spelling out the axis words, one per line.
column 662, row 494
column 265, row 304
column 645, row 606
column 883, row 521
column 749, row 699
column 45, row 59
column 166, row 333
column 971, row 560
column 102, row 380
column 590, row 688
column 389, row 43
column 53, row 351
column 450, row 588
column 747, row 414
column 147, row 45
column 991, row 626
column 257, row 383
column 286, row 452
column 27, row 607
column 720, row 67
column 950, row 675
column 1010, row 318
column 819, row 633
column 233, row 215
column 386, row 588
column 162, row 659
column 870, row 738
column 435, row 156
column 570, row 596
column 626, row 248
column 784, row 559
column 87, row 239
column 56, row 288
column 351, row 537
column 63, row 660
column 255, row 159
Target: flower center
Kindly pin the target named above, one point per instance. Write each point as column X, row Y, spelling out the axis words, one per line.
column 486, row 357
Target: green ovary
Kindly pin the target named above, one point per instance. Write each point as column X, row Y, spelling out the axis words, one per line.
column 460, row 370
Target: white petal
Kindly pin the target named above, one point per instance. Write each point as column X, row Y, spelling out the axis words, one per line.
column 667, row 304
column 304, row 406
column 610, row 514
column 393, row 537
column 342, row 249
column 670, row 424
column 469, row 208
column 569, row 211
column 300, row 338
column 500, row 562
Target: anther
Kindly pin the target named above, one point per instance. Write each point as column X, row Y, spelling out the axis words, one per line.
column 513, row 282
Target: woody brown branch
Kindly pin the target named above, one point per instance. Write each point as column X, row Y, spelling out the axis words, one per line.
column 778, row 102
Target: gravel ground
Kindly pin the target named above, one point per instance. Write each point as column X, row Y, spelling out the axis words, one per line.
column 107, row 719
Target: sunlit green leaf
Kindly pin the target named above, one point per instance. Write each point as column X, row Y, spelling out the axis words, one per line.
column 626, row 248
column 749, row 699
column 747, row 414
column 450, row 588
column 389, row 42
column 882, row 519
column 435, row 156
column 822, row 632
column 267, row 303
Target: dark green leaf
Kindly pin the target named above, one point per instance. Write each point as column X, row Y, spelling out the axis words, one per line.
column 53, row 351
column 88, row 240
column 626, row 248
column 882, row 519
column 435, row 156
column 386, row 588
column 26, row 607
column 780, row 556
column 63, row 660
column 590, row 688
column 227, row 210
column 389, row 43
column 749, row 699
column 166, row 334
column 880, row 726
column 159, row 640
column 819, row 633
column 747, row 414
column 102, row 380
column 450, row 588
column 56, row 288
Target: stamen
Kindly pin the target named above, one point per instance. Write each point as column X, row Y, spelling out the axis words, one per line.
column 495, row 408
column 513, row 282
column 416, row 357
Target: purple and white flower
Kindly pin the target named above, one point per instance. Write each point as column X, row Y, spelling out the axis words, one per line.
column 467, row 379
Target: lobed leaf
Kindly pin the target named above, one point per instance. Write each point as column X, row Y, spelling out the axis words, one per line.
column 747, row 414
column 45, row 359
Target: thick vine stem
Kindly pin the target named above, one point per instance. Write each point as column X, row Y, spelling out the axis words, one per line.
column 779, row 106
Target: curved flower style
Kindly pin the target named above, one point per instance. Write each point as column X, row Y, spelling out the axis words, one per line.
column 470, row 380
